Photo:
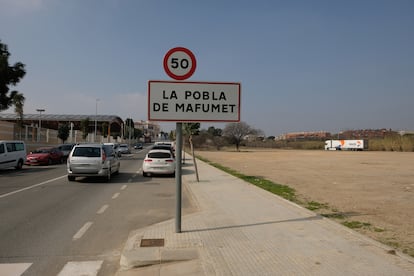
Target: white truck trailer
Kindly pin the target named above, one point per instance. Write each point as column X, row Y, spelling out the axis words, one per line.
column 346, row 144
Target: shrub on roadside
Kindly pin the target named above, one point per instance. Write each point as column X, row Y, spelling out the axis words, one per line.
column 393, row 143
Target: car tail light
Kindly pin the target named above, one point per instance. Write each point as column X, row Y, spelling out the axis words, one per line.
column 148, row 160
column 103, row 157
column 169, row 160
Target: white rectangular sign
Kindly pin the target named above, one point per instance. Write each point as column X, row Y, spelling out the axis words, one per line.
column 193, row 101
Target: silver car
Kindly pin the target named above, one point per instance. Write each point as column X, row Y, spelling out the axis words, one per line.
column 66, row 149
column 124, row 149
column 91, row 160
column 115, row 147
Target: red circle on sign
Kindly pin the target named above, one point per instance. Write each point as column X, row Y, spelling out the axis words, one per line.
column 170, row 71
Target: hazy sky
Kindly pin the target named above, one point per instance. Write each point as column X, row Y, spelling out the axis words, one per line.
column 303, row 65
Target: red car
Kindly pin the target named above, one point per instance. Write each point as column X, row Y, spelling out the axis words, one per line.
column 44, row 156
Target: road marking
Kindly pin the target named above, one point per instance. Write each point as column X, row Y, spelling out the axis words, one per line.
column 82, row 231
column 33, row 186
column 103, row 208
column 89, row 268
column 124, row 187
column 15, row 269
column 115, row 195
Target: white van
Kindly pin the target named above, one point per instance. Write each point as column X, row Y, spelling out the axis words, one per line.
column 12, row 154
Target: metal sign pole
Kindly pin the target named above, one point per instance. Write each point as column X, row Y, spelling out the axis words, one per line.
column 178, row 151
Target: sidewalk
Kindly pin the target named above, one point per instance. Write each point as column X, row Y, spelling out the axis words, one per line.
column 243, row 230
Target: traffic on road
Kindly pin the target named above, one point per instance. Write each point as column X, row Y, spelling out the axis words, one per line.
column 53, row 225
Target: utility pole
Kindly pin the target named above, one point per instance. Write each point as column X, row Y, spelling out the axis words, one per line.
column 96, row 118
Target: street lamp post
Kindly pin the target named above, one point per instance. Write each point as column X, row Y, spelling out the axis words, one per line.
column 96, row 115
column 40, row 110
column 129, row 131
column 71, row 132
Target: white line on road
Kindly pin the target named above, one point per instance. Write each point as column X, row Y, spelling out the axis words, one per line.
column 82, row 231
column 103, row 208
column 89, row 268
column 115, row 195
column 124, row 187
column 33, row 186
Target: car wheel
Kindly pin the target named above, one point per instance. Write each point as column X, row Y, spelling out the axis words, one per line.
column 117, row 170
column 144, row 174
column 71, row 178
column 19, row 165
column 108, row 177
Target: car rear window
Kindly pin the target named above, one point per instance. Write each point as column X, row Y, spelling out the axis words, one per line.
column 159, row 155
column 87, row 152
column 163, row 147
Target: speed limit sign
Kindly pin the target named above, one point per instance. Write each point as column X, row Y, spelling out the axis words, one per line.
column 179, row 63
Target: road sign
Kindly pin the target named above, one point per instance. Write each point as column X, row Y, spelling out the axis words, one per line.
column 179, row 101
column 189, row 102
column 179, row 63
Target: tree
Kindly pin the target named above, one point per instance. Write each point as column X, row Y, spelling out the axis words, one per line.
column 63, row 132
column 18, row 102
column 237, row 131
column 216, row 136
column 85, row 127
column 215, row 131
column 137, row 133
column 171, row 136
column 129, row 128
column 104, row 130
column 191, row 129
column 9, row 76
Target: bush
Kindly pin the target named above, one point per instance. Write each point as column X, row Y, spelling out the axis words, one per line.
column 407, row 143
column 393, row 143
column 376, row 145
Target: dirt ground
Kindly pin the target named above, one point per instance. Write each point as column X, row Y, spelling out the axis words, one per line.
column 372, row 188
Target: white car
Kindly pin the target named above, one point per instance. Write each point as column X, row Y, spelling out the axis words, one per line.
column 91, row 160
column 12, row 154
column 158, row 161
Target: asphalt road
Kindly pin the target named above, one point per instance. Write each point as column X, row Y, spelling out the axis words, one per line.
column 51, row 226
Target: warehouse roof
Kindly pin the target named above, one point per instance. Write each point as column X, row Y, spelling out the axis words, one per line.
column 59, row 117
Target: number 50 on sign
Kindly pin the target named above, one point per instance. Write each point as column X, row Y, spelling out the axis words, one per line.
column 179, row 63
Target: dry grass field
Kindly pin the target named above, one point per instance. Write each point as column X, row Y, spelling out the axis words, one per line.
column 371, row 192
